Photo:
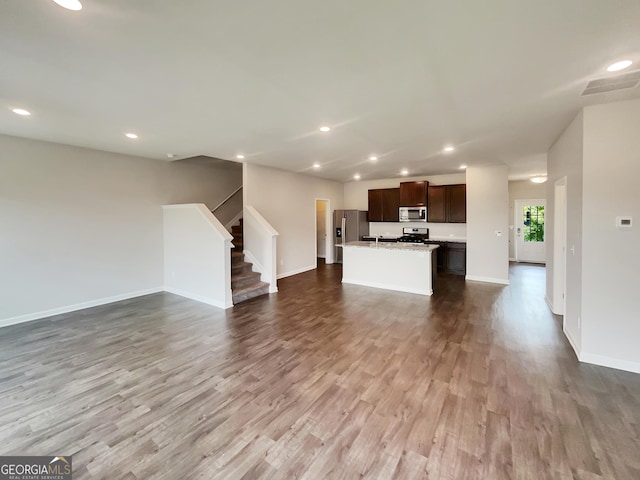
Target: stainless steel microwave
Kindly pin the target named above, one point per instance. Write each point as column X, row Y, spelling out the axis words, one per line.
column 413, row 214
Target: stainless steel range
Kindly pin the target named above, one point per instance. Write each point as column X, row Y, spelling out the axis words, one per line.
column 414, row 235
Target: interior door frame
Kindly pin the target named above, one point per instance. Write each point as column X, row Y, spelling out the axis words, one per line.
column 517, row 222
column 328, row 226
column 559, row 247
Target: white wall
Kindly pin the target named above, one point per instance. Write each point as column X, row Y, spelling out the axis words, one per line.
column 522, row 190
column 197, row 248
column 611, row 256
column 287, row 201
column 81, row 227
column 487, row 213
column 565, row 160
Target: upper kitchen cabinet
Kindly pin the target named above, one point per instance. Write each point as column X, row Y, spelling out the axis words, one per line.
column 413, row 194
column 384, row 204
column 447, row 204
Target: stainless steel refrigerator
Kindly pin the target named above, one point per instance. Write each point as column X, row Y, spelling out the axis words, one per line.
column 348, row 226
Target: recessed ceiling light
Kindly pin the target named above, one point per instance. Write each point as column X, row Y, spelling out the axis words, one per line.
column 132, row 136
column 171, row 155
column 404, row 171
column 448, row 149
column 316, row 165
column 462, row 167
column 70, row 4
column 373, row 158
column 356, row 176
column 240, row 156
column 616, row 67
column 538, row 179
column 21, row 111
column 325, row 129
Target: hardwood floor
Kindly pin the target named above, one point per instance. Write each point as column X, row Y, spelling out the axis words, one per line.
column 320, row 381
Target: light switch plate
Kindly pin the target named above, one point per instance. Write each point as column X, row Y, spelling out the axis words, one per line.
column 624, row 222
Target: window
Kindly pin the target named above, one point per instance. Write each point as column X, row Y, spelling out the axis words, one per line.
column 533, row 223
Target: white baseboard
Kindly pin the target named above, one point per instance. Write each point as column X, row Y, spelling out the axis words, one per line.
column 571, row 342
column 296, row 272
column 78, row 306
column 199, row 298
column 511, row 259
column 476, row 278
column 610, row 362
column 386, row 286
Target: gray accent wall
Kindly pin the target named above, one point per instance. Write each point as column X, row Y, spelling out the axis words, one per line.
column 80, row 227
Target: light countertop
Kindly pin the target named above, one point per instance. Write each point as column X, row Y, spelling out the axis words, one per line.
column 392, row 246
column 437, row 238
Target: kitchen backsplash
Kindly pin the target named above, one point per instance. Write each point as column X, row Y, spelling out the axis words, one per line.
column 435, row 229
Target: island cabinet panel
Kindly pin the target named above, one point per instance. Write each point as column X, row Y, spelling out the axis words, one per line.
column 447, row 204
column 413, row 194
column 436, row 208
column 456, row 258
column 457, row 201
column 384, row 204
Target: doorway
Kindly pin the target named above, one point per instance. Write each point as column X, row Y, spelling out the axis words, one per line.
column 323, row 227
column 530, row 231
column 559, row 246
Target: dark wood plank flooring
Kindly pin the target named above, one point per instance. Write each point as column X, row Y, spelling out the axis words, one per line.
column 320, row 381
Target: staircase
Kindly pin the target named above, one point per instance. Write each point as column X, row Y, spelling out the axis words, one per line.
column 245, row 284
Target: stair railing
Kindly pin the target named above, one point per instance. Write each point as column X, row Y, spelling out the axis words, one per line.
column 229, row 211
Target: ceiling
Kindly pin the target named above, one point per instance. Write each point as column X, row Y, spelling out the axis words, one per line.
column 498, row 79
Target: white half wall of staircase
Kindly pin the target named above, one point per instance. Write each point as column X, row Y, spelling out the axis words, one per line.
column 197, row 255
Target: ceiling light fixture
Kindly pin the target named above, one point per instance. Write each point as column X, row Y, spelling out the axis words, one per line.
column 132, row 136
column 539, row 179
column 404, row 171
column 325, row 129
column 621, row 65
column 316, row 165
column 463, row 167
column 21, row 111
column 373, row 158
column 240, row 156
column 171, row 155
column 448, row 149
column 70, row 4
column 356, row 176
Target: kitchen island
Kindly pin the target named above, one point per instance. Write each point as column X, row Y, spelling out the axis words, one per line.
column 392, row 266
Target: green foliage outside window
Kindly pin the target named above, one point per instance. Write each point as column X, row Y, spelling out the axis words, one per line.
column 534, row 223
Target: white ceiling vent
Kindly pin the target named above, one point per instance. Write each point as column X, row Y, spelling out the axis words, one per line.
column 619, row 82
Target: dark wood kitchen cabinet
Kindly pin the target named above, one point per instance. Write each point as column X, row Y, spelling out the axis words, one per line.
column 456, row 263
column 436, row 208
column 384, row 204
column 447, row 204
column 413, row 194
column 457, row 200
column 451, row 257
